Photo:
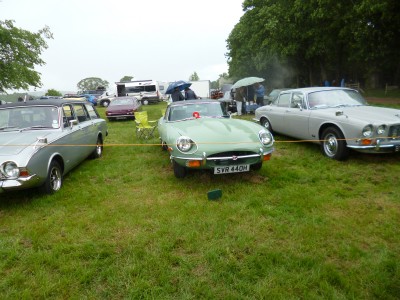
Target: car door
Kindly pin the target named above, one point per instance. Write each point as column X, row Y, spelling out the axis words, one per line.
column 276, row 112
column 88, row 132
column 296, row 117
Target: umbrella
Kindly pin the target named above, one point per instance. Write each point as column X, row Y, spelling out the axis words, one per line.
column 180, row 84
column 247, row 81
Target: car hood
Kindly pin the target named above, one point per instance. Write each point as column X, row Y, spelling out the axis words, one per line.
column 369, row 114
column 214, row 131
column 14, row 142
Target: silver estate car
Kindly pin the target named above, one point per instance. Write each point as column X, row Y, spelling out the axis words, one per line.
column 42, row 140
column 337, row 118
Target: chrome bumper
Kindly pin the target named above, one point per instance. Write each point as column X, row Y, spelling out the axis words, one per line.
column 18, row 184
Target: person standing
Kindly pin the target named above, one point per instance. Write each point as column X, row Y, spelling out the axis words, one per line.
column 239, row 98
column 177, row 95
column 190, row 94
column 260, row 92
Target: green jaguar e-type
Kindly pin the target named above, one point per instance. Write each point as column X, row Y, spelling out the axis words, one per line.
column 199, row 134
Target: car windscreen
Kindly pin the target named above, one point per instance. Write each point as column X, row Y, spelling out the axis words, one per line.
column 335, row 98
column 189, row 111
column 29, row 117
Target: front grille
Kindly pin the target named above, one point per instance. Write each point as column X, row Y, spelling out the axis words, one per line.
column 394, row 132
column 233, row 157
column 231, row 154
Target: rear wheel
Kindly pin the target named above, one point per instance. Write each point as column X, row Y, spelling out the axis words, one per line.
column 54, row 178
column 179, row 171
column 98, row 151
column 333, row 144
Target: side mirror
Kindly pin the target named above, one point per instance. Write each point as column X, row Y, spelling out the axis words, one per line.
column 73, row 122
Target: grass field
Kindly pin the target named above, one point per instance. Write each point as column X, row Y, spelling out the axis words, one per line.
column 123, row 227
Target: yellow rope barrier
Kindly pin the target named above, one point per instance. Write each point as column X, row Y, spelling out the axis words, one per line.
column 204, row 143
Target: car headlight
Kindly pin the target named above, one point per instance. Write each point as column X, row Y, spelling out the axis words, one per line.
column 367, row 131
column 381, row 129
column 10, row 169
column 184, row 143
column 265, row 137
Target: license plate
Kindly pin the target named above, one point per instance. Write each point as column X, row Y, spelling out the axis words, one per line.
column 231, row 169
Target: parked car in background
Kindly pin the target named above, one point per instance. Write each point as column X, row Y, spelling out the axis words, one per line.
column 42, row 140
column 337, row 118
column 122, row 108
column 199, row 134
column 268, row 99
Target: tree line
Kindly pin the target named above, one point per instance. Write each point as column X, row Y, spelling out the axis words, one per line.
column 295, row 43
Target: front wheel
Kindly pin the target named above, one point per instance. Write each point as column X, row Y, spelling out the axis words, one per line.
column 179, row 171
column 54, row 179
column 105, row 103
column 333, row 144
column 266, row 124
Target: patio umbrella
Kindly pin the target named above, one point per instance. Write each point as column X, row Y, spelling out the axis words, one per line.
column 247, row 81
column 180, row 84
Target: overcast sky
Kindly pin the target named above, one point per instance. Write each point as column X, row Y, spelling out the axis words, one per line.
column 163, row 40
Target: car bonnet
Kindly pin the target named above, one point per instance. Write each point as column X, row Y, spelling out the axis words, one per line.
column 15, row 142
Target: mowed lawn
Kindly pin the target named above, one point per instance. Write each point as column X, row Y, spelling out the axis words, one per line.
column 123, row 227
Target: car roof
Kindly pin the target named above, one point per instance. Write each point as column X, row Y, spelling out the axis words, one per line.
column 56, row 102
column 318, row 89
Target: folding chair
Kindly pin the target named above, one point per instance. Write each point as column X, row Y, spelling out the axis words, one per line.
column 144, row 127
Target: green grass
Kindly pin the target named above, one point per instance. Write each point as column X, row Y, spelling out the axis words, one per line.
column 123, row 227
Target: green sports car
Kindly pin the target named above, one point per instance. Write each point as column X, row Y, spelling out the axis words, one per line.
column 199, row 134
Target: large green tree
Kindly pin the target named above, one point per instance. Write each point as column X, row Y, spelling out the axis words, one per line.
column 92, row 83
column 304, row 42
column 53, row 92
column 20, row 52
column 126, row 78
column 194, row 77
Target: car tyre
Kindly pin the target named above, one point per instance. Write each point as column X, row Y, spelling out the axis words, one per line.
column 333, row 144
column 164, row 146
column 179, row 171
column 98, row 151
column 105, row 103
column 54, row 179
column 266, row 124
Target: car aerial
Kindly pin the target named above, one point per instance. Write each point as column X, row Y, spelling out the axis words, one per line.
column 122, row 108
column 42, row 140
column 337, row 118
column 199, row 134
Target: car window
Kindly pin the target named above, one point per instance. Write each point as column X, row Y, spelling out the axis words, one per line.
column 283, row 100
column 297, row 100
column 67, row 115
column 81, row 113
column 92, row 112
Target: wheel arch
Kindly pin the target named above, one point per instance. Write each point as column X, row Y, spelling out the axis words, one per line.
column 327, row 125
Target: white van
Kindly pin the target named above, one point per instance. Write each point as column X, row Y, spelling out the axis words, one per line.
column 147, row 91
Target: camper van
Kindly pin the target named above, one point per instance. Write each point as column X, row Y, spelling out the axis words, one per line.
column 147, row 91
